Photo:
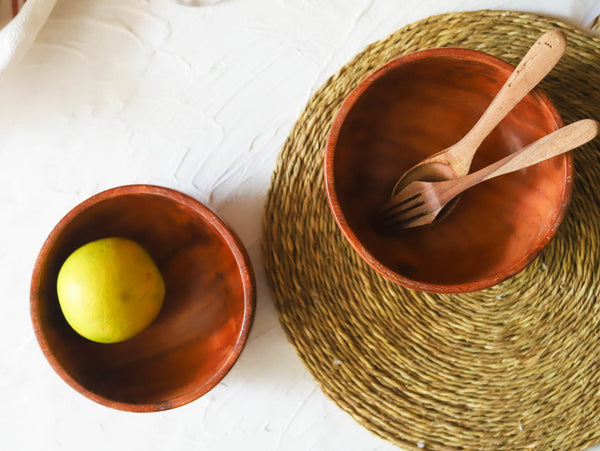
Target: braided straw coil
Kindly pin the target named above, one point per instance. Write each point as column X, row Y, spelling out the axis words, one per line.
column 512, row 367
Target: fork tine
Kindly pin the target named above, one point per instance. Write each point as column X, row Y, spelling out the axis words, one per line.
column 394, row 203
column 397, row 218
column 408, row 208
column 402, row 211
column 403, row 199
column 408, row 214
column 405, row 222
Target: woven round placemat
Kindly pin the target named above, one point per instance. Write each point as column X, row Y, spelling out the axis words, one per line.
column 512, row 367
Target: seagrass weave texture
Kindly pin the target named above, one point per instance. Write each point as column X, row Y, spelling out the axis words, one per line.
column 516, row 366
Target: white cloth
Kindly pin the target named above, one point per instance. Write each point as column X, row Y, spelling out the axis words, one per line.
column 591, row 18
column 16, row 37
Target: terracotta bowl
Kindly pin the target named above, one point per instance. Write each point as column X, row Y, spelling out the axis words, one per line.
column 206, row 315
column 415, row 106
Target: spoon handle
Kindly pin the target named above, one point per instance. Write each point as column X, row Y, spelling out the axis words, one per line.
column 535, row 65
column 552, row 145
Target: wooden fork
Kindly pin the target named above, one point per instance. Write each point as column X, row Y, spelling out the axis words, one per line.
column 420, row 202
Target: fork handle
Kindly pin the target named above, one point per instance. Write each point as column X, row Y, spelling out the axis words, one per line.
column 535, row 65
column 556, row 143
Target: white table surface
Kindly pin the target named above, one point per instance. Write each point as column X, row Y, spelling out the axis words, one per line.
column 199, row 99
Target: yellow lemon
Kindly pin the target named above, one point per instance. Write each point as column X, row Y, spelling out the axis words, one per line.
column 110, row 289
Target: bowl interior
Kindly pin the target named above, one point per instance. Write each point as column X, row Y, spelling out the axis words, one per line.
column 417, row 107
column 204, row 320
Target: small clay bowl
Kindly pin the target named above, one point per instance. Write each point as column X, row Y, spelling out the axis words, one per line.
column 415, row 106
column 206, row 315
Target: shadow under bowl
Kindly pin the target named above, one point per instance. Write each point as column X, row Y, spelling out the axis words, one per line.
column 206, row 315
column 418, row 105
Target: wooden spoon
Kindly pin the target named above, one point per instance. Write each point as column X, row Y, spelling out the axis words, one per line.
column 421, row 202
column 455, row 161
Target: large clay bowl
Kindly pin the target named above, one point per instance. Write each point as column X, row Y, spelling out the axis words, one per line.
column 417, row 105
column 205, row 319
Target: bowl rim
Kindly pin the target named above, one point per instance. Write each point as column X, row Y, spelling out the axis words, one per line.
column 209, row 217
column 465, row 54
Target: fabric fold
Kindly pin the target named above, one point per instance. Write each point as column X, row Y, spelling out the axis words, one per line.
column 18, row 35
